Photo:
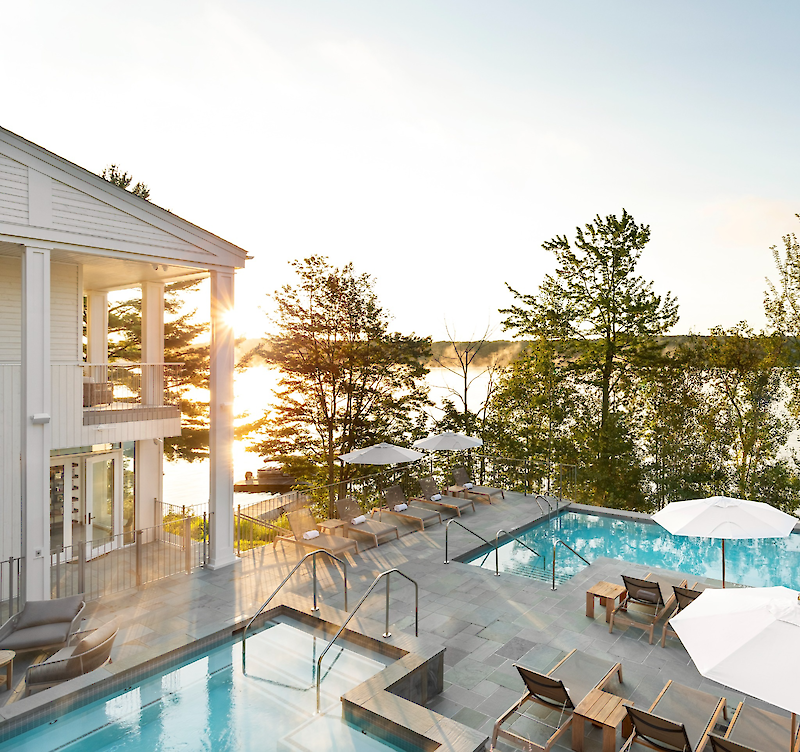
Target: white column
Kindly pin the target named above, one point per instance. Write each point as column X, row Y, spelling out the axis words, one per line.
column 35, row 414
column 221, row 420
column 96, row 327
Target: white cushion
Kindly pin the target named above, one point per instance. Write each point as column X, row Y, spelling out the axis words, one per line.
column 358, row 520
column 311, row 534
column 436, row 497
column 468, row 486
column 400, row 507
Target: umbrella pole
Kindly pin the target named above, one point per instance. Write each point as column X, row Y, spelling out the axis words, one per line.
column 723, row 562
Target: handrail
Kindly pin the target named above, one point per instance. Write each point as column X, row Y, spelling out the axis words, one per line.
column 554, row 558
column 447, row 529
column 313, row 555
column 541, row 509
column 547, row 501
column 387, row 633
column 521, row 543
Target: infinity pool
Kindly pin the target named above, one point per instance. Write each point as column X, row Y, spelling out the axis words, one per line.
column 771, row 561
column 210, row 704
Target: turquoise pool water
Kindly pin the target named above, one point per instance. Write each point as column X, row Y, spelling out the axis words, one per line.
column 771, row 561
column 209, row 704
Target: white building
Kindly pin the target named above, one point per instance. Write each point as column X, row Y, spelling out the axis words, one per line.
column 80, row 445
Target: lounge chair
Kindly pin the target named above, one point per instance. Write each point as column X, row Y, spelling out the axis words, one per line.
column 683, row 597
column 561, row 689
column 755, row 730
column 303, row 529
column 484, row 493
column 90, row 650
column 432, row 496
column 645, row 603
column 657, row 729
column 396, row 499
column 42, row 625
column 349, row 510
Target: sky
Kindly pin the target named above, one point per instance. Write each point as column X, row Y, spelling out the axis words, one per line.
column 436, row 144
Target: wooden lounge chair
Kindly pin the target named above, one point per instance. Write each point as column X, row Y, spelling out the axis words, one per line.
column 698, row 711
column 395, row 497
column 645, row 603
column 561, row 689
column 483, row 493
column 89, row 650
column 430, row 492
column 302, row 522
column 683, row 597
column 42, row 624
column 755, row 730
column 349, row 510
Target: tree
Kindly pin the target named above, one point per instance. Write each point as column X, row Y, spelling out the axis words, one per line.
column 611, row 318
column 346, row 380
column 114, row 175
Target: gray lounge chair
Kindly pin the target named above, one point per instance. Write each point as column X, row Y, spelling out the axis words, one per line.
column 430, row 491
column 754, row 730
column 484, row 493
column 657, row 729
column 349, row 510
column 683, row 597
column 90, row 650
column 42, row 625
column 646, row 602
column 302, row 522
column 562, row 689
column 395, row 497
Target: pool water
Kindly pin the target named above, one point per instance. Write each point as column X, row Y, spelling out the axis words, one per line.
column 210, row 704
column 760, row 563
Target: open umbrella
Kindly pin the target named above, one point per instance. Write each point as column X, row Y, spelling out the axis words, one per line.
column 448, row 442
column 746, row 639
column 381, row 454
column 725, row 518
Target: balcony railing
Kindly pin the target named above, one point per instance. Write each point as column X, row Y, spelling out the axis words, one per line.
column 119, row 386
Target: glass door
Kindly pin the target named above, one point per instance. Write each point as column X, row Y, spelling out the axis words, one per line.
column 66, row 503
column 103, row 503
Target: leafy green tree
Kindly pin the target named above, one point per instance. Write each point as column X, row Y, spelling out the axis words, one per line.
column 611, row 318
column 346, row 380
column 114, row 175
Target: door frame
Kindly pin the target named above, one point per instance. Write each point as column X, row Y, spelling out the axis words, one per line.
column 115, row 540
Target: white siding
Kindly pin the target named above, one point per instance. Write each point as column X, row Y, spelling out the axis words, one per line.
column 66, row 406
column 10, row 483
column 77, row 211
column 13, row 191
column 10, row 306
column 65, row 313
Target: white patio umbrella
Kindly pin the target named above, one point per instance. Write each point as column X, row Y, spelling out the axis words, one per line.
column 725, row 518
column 381, row 454
column 448, row 442
column 746, row 639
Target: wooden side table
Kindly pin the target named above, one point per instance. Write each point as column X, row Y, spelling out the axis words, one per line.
column 7, row 661
column 331, row 526
column 607, row 592
column 456, row 490
column 605, row 710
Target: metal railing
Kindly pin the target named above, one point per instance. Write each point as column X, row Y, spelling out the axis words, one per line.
column 461, row 525
column 119, row 385
column 494, row 545
column 521, row 543
column 555, row 545
column 10, row 580
column 313, row 556
column 387, row 633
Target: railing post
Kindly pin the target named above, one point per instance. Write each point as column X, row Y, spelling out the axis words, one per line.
column 387, row 633
column 187, row 543
column 82, row 567
column 496, row 557
column 239, row 531
column 58, row 573
column 554, row 564
column 139, row 573
column 446, row 533
column 314, row 577
column 205, row 537
column 10, row 585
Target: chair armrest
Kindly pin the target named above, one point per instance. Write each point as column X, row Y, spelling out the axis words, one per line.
column 8, row 627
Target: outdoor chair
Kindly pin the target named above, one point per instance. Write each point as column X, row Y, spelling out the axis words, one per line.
column 561, row 689
column 755, row 730
column 42, row 625
column 432, row 496
column 90, row 650
column 644, row 603
column 683, row 597
column 484, row 493
column 303, row 534
column 350, row 512
column 657, row 728
column 396, row 500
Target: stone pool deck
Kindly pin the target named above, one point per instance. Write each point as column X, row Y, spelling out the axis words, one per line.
column 486, row 623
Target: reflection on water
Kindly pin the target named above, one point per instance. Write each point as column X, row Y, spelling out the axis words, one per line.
column 770, row 561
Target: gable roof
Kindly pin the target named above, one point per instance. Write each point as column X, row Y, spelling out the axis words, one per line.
column 44, row 197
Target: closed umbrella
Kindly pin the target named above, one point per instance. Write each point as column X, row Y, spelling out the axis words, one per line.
column 746, row 639
column 725, row 518
column 448, row 442
column 381, row 454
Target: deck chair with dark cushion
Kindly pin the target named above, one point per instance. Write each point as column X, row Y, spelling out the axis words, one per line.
column 683, row 597
column 396, row 500
column 432, row 496
column 42, row 624
column 483, row 493
column 303, row 529
column 680, row 719
column 645, row 603
column 91, row 650
column 562, row 689
column 350, row 512
column 755, row 730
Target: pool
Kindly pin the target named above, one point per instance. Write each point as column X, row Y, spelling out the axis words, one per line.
column 761, row 563
column 210, row 704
